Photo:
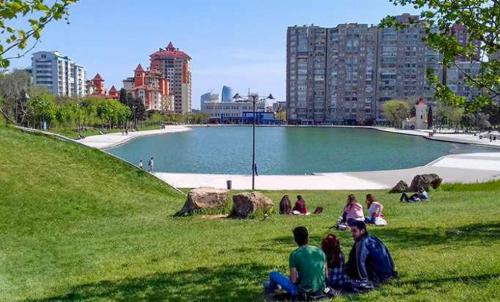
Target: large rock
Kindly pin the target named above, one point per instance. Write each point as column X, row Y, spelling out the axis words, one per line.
column 400, row 187
column 425, row 181
column 248, row 203
column 203, row 199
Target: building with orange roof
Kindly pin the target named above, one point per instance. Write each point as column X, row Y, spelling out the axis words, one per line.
column 96, row 88
column 174, row 64
column 151, row 87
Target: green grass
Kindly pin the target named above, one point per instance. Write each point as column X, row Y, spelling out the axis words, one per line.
column 76, row 224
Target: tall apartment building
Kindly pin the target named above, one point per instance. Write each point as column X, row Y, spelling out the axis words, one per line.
column 346, row 73
column 175, row 66
column 58, row 73
column 351, row 71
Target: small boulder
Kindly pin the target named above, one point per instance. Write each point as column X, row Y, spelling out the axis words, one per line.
column 425, row 181
column 400, row 187
column 248, row 203
column 202, row 199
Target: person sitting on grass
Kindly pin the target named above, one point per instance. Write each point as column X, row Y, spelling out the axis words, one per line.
column 285, row 206
column 335, row 276
column 300, row 206
column 352, row 211
column 370, row 262
column 307, row 269
column 421, row 195
column 375, row 208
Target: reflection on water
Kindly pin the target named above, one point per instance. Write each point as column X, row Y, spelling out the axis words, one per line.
column 282, row 150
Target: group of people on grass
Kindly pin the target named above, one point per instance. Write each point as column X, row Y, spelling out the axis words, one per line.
column 353, row 210
column 323, row 272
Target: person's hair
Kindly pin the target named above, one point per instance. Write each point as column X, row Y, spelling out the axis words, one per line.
column 331, row 247
column 370, row 198
column 299, row 197
column 301, row 235
column 360, row 225
column 350, row 199
column 285, row 197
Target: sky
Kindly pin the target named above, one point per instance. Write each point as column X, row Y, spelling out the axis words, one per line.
column 239, row 43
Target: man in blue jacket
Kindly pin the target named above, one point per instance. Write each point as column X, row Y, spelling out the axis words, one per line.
column 370, row 262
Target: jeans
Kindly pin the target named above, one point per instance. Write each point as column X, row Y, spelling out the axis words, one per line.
column 413, row 197
column 286, row 284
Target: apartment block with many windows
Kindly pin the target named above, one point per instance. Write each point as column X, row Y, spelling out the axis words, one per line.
column 345, row 74
column 58, row 73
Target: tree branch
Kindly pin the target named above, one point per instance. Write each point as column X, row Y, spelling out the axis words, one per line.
column 495, row 93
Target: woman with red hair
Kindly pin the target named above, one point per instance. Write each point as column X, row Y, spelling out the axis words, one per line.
column 336, row 277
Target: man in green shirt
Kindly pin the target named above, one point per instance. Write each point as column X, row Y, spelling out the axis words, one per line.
column 307, row 268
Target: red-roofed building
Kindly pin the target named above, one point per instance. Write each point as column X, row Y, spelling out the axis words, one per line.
column 113, row 93
column 96, row 88
column 174, row 64
column 151, row 87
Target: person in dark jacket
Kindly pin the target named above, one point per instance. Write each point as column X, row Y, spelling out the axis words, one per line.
column 369, row 259
column 285, row 206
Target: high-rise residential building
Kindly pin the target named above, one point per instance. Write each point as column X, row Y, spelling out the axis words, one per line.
column 58, row 73
column 351, row 72
column 152, row 88
column 174, row 64
column 346, row 73
column 227, row 94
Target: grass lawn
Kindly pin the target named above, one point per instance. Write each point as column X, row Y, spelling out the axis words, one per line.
column 76, row 224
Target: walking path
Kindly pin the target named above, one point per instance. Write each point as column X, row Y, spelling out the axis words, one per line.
column 466, row 138
column 465, row 168
column 109, row 140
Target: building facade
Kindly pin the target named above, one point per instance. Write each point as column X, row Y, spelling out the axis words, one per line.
column 58, row 73
column 345, row 74
column 152, row 88
column 234, row 111
column 174, row 64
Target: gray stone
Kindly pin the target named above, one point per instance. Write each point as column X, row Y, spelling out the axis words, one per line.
column 400, row 187
column 203, row 199
column 248, row 203
column 425, row 181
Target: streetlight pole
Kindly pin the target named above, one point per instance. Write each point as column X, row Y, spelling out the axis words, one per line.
column 254, row 101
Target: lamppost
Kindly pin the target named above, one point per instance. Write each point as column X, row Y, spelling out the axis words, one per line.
column 254, row 98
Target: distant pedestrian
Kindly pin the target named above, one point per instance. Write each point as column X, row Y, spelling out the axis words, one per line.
column 126, row 131
column 141, row 166
column 151, row 164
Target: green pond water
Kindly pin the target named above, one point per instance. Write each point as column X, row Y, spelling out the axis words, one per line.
column 285, row 150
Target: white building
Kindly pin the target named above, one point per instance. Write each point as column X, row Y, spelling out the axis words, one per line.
column 233, row 110
column 58, row 73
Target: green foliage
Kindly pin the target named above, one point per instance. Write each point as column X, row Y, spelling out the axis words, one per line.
column 481, row 18
column 396, row 111
column 77, row 224
column 449, row 115
column 36, row 14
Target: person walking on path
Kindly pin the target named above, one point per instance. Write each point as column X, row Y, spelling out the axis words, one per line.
column 151, row 164
column 141, row 166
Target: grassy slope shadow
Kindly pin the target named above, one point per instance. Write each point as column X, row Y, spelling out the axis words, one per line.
column 231, row 282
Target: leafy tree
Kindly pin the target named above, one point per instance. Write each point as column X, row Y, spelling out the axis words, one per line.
column 36, row 14
column 41, row 106
column 396, row 111
column 14, row 88
column 481, row 18
column 123, row 96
